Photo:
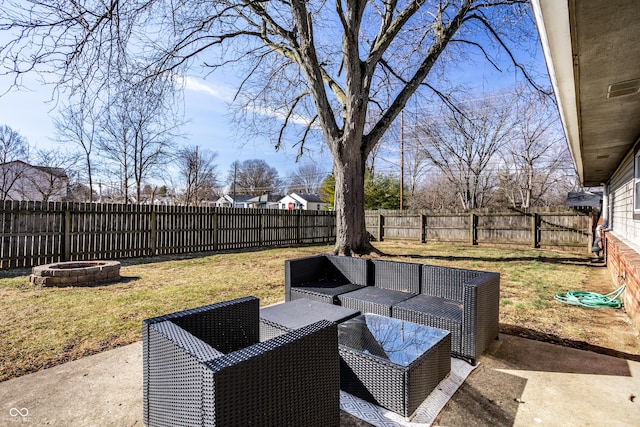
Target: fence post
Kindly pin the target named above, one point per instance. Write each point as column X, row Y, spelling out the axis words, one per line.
column 67, row 235
column 380, row 227
column 535, row 230
column 473, row 229
column 298, row 226
column 214, row 225
column 261, row 226
column 153, row 237
column 423, row 228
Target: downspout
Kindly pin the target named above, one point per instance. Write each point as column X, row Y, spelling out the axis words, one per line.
column 606, row 213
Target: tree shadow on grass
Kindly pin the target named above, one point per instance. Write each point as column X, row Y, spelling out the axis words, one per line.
column 120, row 281
column 587, row 261
column 13, row 273
column 102, row 284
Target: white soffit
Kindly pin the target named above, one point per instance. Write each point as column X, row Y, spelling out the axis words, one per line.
column 552, row 19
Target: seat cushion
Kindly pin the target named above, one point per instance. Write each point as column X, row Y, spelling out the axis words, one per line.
column 323, row 291
column 436, row 312
column 373, row 300
column 435, row 306
column 329, row 288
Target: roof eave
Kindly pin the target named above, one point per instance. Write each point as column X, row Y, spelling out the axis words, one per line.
column 553, row 22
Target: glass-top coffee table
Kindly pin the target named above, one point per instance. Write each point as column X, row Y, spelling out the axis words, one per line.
column 390, row 362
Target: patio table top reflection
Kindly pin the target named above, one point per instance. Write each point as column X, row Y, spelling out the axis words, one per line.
column 398, row 341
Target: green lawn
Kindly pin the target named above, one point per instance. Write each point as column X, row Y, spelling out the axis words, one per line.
column 47, row 326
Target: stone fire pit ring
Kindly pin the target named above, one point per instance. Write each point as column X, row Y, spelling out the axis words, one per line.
column 75, row 273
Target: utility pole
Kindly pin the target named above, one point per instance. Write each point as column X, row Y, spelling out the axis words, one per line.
column 235, row 172
column 402, row 160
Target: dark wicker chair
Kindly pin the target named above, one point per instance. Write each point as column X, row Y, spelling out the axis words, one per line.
column 324, row 277
column 394, row 282
column 206, row 366
column 464, row 302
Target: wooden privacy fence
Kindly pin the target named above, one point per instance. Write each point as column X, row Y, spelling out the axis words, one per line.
column 34, row 233
column 543, row 228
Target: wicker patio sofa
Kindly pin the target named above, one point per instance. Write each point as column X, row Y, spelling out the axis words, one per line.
column 324, row 277
column 206, row 366
column 464, row 302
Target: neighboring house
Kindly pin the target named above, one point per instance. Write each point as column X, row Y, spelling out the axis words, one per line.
column 592, row 50
column 233, row 201
column 308, row 202
column 164, row 200
column 22, row 181
column 266, row 201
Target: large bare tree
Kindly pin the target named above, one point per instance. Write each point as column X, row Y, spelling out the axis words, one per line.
column 78, row 124
column 253, row 178
column 536, row 162
column 463, row 144
column 307, row 178
column 198, row 173
column 14, row 148
column 435, row 194
column 346, row 67
column 138, row 134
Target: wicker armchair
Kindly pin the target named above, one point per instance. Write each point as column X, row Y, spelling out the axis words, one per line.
column 206, row 366
column 324, row 277
column 464, row 302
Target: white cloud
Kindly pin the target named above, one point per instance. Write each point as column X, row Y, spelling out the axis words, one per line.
column 282, row 115
column 226, row 93
column 221, row 92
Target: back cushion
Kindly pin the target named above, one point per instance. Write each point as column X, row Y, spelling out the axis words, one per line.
column 446, row 282
column 397, row 276
column 350, row 270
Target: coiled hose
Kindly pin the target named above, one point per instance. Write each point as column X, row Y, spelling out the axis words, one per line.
column 591, row 299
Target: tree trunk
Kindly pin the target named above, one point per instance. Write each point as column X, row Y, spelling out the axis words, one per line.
column 90, row 175
column 351, row 232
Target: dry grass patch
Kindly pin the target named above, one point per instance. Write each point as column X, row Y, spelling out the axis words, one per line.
column 46, row 326
column 43, row 327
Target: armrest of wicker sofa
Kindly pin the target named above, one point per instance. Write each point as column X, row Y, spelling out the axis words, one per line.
column 172, row 362
column 175, row 344
column 479, row 294
column 188, row 381
column 481, row 315
column 321, row 269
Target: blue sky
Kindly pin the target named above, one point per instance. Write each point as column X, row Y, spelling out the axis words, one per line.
column 209, row 125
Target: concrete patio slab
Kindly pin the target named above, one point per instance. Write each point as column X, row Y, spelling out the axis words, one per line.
column 519, row 382
column 100, row 390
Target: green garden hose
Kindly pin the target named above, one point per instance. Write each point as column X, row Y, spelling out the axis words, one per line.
column 591, row 299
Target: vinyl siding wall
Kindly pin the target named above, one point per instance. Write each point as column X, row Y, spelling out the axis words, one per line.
column 623, row 240
column 621, row 203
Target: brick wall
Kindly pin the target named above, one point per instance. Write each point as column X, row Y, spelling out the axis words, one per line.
column 624, row 264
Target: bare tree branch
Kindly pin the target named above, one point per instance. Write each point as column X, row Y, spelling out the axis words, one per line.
column 352, row 66
column 493, row 32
